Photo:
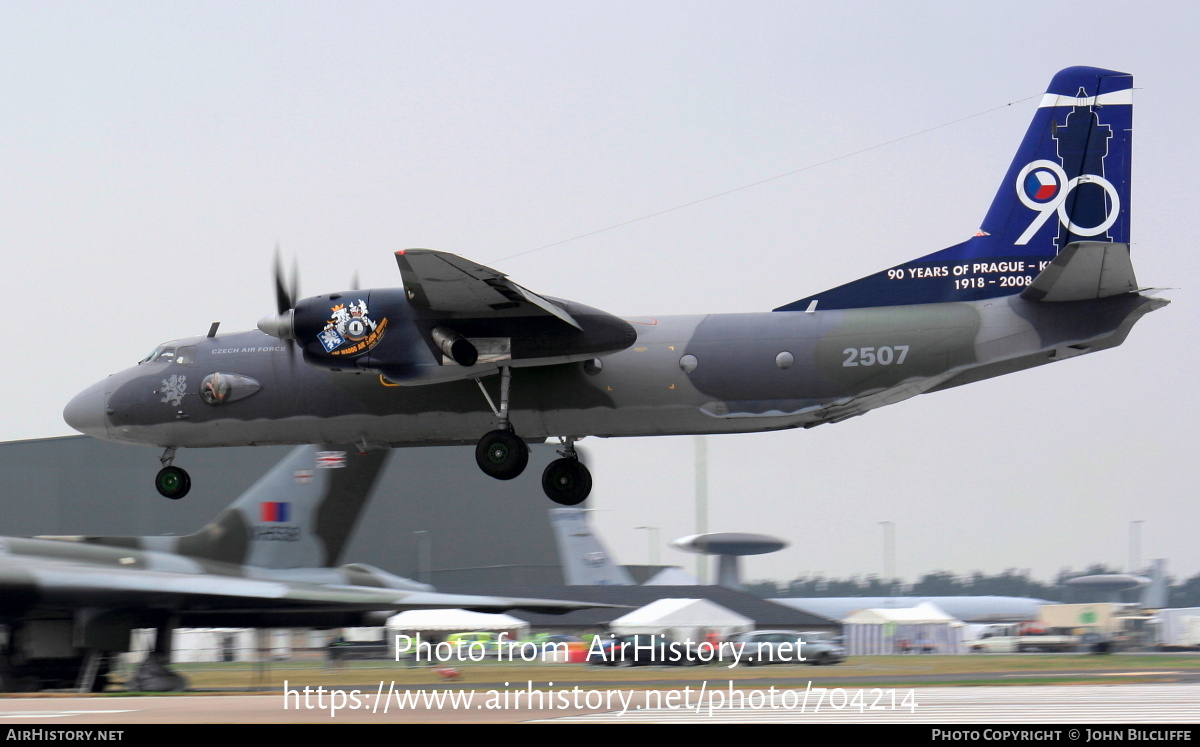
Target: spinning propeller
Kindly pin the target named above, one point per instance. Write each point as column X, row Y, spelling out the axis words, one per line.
column 282, row 324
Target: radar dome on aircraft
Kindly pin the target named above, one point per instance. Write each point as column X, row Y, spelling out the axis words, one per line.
column 730, row 543
column 1110, row 582
column 1110, row 585
column 728, row 547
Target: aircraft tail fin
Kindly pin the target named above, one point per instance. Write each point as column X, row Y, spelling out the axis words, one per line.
column 299, row 515
column 585, row 562
column 1155, row 595
column 1068, row 183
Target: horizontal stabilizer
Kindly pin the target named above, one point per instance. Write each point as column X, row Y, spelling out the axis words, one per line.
column 1083, row 271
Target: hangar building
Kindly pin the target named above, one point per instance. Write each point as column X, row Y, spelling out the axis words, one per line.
column 478, row 531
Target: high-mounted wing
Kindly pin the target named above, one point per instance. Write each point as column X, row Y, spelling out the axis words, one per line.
column 439, row 281
column 453, row 319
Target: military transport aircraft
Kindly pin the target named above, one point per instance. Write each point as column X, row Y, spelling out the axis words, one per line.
column 266, row 561
column 461, row 350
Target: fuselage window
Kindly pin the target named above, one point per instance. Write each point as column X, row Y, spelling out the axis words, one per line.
column 186, row 355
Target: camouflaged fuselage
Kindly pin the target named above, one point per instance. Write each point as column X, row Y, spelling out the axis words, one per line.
column 719, row 373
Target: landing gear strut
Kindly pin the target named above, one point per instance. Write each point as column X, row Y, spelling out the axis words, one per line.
column 567, row 481
column 153, row 675
column 501, row 454
column 171, row 482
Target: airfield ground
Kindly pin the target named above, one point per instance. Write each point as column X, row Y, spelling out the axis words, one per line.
column 965, row 670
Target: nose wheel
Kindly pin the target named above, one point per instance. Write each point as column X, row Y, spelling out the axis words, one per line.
column 172, row 482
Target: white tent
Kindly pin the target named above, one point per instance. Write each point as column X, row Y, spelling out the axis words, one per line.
column 681, row 619
column 924, row 628
column 455, row 621
column 189, row 645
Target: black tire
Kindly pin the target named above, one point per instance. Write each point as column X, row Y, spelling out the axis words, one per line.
column 172, row 482
column 501, row 455
column 567, row 481
column 100, row 683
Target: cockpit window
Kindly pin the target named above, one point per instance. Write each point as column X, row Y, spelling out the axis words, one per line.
column 165, row 354
column 161, row 354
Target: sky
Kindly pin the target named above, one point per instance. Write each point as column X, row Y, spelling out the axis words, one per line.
column 155, row 154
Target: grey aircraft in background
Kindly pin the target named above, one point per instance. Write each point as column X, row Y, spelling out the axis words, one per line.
column 267, row 560
column 460, row 350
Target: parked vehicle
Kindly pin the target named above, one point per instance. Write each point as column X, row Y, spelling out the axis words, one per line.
column 788, row 647
column 647, row 650
column 1023, row 637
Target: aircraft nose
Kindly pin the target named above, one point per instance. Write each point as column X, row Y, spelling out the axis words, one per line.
column 85, row 412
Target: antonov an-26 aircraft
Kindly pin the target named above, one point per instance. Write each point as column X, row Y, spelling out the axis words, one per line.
column 461, row 354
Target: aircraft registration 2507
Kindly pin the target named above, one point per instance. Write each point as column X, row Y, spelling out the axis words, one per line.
column 461, row 351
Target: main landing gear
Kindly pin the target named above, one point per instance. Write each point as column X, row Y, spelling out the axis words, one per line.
column 172, row 482
column 502, row 455
column 567, row 481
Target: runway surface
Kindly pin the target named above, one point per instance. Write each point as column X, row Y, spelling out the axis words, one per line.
column 706, row 702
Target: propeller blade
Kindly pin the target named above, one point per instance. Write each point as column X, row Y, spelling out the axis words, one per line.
column 284, row 299
column 286, row 295
column 294, row 286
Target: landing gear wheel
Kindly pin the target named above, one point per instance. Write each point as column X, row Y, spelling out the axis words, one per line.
column 501, row 455
column 172, row 482
column 567, row 481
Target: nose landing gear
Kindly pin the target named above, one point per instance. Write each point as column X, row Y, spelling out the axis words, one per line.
column 171, row 482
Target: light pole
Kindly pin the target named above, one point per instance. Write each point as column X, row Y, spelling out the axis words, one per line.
column 701, row 503
column 889, row 555
column 1135, row 545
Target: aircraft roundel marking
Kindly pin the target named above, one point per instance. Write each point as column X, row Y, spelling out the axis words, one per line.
column 1042, row 185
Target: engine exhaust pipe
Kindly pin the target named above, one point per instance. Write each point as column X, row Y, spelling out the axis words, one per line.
column 458, row 348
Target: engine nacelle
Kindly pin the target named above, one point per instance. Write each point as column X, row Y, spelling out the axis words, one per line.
column 360, row 329
column 379, row 330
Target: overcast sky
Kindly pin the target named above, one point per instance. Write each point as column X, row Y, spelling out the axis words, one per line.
column 154, row 153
